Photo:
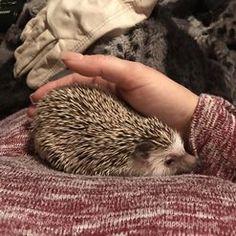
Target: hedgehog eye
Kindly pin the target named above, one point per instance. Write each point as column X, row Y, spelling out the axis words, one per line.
column 143, row 149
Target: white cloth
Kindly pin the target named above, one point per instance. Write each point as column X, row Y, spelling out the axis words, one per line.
column 72, row 26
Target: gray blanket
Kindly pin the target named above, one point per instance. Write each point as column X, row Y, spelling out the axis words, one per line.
column 176, row 42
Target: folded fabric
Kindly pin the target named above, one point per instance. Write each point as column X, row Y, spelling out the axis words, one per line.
column 36, row 200
column 72, row 26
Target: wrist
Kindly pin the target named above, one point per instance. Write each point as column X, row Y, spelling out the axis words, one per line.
column 189, row 113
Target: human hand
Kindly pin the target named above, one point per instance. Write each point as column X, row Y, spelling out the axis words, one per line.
column 145, row 89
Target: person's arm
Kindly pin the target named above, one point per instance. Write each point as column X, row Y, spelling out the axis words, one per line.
column 213, row 136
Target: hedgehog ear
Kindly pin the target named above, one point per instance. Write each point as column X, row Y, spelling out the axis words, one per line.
column 143, row 149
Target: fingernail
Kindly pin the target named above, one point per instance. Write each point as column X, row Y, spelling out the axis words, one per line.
column 71, row 56
column 31, row 97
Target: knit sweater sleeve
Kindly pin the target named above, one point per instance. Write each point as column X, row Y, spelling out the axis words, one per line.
column 213, row 136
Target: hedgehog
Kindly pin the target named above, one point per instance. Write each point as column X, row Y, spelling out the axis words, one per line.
column 88, row 131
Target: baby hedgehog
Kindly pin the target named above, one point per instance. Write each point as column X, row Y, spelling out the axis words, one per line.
column 84, row 130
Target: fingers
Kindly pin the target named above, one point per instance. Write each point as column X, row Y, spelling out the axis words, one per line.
column 31, row 111
column 65, row 81
column 126, row 74
column 42, row 91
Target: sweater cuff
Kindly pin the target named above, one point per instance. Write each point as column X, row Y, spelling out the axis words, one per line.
column 213, row 135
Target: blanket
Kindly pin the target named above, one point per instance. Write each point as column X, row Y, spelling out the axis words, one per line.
column 203, row 30
column 36, row 200
column 14, row 94
column 200, row 57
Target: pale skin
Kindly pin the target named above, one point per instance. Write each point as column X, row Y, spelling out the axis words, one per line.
column 145, row 89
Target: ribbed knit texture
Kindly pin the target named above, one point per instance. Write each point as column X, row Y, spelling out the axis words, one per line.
column 36, row 200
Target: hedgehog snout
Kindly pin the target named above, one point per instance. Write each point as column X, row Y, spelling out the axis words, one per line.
column 177, row 160
column 183, row 163
column 174, row 160
column 172, row 163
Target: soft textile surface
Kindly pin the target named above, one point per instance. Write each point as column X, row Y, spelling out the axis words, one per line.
column 212, row 136
column 210, row 22
column 204, row 62
column 12, row 37
column 36, row 200
column 71, row 26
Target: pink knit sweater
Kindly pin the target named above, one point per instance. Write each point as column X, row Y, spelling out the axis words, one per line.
column 213, row 136
column 36, row 200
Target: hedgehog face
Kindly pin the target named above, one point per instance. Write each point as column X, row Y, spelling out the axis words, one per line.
column 172, row 161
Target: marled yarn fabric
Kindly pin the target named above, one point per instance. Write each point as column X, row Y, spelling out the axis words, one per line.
column 213, row 136
column 36, row 200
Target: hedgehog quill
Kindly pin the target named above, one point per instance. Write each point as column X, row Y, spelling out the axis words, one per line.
column 87, row 131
